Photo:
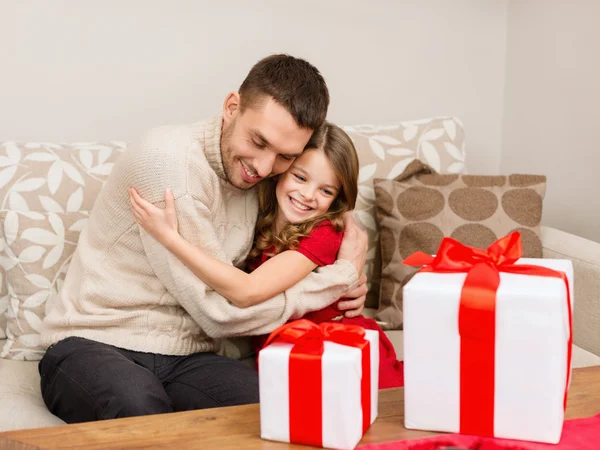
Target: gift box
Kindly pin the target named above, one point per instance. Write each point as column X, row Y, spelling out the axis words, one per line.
column 487, row 342
column 318, row 384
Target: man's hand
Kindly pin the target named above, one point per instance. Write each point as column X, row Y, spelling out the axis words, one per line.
column 354, row 245
column 354, row 300
column 354, row 249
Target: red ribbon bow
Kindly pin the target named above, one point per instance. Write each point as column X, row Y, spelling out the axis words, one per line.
column 305, row 383
column 477, row 318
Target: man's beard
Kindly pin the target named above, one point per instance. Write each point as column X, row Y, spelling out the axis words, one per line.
column 227, row 151
column 227, row 164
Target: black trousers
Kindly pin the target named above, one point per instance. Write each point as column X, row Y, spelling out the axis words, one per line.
column 84, row 380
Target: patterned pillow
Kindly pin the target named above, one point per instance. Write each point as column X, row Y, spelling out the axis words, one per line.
column 44, row 188
column 384, row 152
column 4, row 298
column 420, row 207
column 38, row 252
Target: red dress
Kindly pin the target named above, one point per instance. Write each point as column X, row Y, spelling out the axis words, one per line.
column 321, row 247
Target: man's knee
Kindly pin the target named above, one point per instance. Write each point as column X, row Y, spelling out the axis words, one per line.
column 108, row 398
column 84, row 380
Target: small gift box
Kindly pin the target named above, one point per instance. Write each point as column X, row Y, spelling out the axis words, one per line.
column 487, row 342
column 318, row 384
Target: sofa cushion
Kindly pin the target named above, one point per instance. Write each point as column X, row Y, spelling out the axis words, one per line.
column 585, row 255
column 418, row 209
column 384, row 151
column 21, row 398
column 44, row 189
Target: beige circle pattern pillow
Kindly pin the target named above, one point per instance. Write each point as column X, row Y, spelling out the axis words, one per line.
column 418, row 209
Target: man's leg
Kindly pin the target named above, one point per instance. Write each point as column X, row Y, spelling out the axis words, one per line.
column 208, row 380
column 84, row 380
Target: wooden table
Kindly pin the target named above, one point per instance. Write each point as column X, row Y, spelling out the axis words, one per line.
column 238, row 427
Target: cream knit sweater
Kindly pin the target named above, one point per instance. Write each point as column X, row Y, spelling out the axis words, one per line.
column 125, row 289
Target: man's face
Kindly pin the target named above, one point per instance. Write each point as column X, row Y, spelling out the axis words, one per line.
column 261, row 142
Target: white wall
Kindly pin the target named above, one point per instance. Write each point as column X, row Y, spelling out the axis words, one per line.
column 552, row 110
column 81, row 70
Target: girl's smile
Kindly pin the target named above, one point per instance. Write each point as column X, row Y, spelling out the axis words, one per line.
column 307, row 189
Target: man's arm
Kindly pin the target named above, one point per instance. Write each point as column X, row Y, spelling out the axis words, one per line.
column 354, row 248
column 215, row 315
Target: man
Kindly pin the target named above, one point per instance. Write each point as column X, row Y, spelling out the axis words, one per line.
column 133, row 331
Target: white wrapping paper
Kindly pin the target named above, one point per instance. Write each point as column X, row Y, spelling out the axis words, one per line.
column 342, row 374
column 532, row 332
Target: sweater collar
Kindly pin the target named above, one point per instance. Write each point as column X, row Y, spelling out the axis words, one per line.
column 211, row 142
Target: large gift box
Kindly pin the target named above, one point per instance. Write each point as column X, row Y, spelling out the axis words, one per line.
column 487, row 342
column 318, row 384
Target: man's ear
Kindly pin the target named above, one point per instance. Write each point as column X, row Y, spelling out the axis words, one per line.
column 231, row 107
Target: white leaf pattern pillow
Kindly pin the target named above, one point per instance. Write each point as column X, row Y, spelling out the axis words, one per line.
column 384, row 151
column 46, row 194
column 35, row 263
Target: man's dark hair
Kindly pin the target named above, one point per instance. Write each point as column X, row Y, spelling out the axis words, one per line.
column 293, row 83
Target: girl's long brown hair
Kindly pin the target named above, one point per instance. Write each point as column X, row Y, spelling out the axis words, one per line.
column 341, row 154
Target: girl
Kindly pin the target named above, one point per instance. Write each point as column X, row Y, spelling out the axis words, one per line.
column 301, row 228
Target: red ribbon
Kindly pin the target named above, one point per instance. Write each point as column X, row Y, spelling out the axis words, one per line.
column 305, row 383
column 477, row 318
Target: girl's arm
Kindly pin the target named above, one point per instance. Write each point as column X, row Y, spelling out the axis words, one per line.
column 276, row 275
column 242, row 289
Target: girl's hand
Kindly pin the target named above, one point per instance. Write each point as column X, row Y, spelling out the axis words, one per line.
column 161, row 224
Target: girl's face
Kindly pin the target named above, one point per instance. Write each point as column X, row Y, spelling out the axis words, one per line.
column 307, row 189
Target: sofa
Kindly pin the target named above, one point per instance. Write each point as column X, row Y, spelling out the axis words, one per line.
column 47, row 191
